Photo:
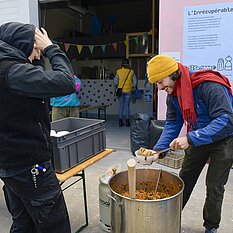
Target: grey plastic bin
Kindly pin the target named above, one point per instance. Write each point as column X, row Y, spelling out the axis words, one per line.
column 87, row 138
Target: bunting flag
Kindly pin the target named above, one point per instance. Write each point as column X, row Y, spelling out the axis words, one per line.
column 80, row 47
column 103, row 47
column 144, row 37
column 114, row 46
column 136, row 40
column 91, row 47
column 66, row 46
column 126, row 42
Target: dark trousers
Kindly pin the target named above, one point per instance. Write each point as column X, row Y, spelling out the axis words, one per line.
column 36, row 210
column 220, row 156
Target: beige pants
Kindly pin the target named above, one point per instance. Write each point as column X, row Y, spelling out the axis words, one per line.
column 63, row 112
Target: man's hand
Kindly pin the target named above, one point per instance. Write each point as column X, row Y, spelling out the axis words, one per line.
column 180, row 143
column 41, row 39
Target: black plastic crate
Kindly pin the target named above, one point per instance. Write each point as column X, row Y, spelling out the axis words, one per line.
column 86, row 138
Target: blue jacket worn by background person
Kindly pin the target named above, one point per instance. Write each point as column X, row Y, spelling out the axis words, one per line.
column 68, row 100
column 214, row 111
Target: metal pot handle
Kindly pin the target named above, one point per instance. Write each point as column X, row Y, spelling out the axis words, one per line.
column 120, row 204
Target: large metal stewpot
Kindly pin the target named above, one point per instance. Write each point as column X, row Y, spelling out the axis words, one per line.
column 146, row 216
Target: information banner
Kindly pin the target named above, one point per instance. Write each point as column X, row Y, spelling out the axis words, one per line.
column 208, row 38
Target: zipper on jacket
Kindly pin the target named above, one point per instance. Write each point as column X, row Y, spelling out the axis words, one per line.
column 44, row 135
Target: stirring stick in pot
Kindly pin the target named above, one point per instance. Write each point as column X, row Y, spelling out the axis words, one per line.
column 157, row 182
column 132, row 177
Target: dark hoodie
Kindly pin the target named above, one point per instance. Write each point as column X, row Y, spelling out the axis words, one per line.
column 24, row 121
column 18, row 35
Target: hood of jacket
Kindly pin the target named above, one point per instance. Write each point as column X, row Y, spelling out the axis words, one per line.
column 16, row 40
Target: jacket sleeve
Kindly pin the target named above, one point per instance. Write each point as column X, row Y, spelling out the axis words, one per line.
column 33, row 81
column 219, row 105
column 77, row 84
column 116, row 81
column 135, row 82
column 173, row 125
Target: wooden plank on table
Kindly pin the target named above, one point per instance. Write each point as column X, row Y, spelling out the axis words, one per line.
column 80, row 167
column 83, row 106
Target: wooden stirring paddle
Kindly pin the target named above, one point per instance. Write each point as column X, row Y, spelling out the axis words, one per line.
column 132, row 177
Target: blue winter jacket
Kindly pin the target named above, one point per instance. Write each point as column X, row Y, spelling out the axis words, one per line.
column 214, row 111
column 68, row 100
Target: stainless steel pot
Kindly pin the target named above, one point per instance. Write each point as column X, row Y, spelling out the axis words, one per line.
column 146, row 216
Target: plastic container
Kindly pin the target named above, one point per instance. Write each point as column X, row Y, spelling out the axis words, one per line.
column 86, row 138
column 173, row 159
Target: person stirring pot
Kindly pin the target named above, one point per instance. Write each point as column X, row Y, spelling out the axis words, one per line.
column 203, row 100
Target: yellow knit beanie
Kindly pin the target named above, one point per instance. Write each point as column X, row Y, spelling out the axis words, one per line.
column 160, row 67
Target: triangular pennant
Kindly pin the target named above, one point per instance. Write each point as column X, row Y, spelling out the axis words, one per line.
column 91, row 47
column 114, row 46
column 103, row 47
column 66, row 46
column 144, row 39
column 126, row 43
column 80, row 47
column 136, row 39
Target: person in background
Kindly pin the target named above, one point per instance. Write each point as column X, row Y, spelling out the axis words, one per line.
column 66, row 106
column 203, row 100
column 32, row 192
column 126, row 78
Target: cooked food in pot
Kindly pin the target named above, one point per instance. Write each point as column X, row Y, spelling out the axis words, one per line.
column 147, row 191
column 147, row 195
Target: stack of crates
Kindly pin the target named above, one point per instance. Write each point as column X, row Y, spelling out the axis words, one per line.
column 173, row 159
column 85, row 138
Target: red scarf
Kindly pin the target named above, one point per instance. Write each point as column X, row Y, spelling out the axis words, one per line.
column 184, row 85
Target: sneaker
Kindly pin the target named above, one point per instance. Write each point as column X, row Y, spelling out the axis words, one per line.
column 212, row 230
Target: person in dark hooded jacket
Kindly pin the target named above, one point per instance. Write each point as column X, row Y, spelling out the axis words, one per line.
column 32, row 192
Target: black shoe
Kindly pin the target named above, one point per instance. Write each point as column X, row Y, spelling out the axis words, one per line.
column 121, row 123
column 127, row 123
column 212, row 230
